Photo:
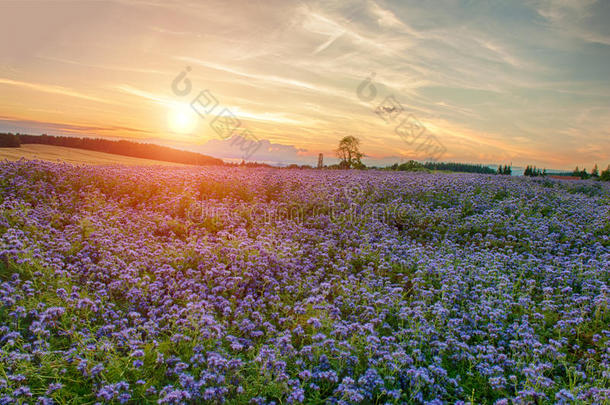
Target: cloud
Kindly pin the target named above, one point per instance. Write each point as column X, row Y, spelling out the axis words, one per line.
column 104, row 66
column 35, row 127
column 59, row 90
column 255, row 150
column 495, row 79
column 265, row 79
column 586, row 20
column 157, row 99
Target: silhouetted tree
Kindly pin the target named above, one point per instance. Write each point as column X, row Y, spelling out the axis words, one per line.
column 583, row 174
column 349, row 153
column 532, row 171
column 595, row 171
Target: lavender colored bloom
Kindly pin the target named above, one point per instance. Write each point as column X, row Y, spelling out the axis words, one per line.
column 54, row 387
column 267, row 285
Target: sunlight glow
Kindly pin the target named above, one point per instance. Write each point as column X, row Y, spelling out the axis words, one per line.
column 181, row 119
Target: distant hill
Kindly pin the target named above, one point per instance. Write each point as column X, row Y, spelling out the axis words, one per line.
column 122, row 147
column 75, row 156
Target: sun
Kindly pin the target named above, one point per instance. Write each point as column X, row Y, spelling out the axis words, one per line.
column 181, row 119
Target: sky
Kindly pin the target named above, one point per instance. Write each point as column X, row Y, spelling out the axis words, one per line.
column 280, row 81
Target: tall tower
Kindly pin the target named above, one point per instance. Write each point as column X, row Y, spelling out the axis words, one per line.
column 320, row 161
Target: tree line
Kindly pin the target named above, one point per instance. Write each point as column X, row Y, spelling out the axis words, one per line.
column 459, row 167
column 348, row 152
column 9, row 141
column 413, row 166
column 504, row 170
column 350, row 156
column 532, row 171
column 595, row 174
column 121, row 147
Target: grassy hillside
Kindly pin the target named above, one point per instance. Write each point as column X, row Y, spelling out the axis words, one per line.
column 76, row 156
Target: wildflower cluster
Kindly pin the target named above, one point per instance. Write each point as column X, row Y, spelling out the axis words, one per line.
column 470, row 288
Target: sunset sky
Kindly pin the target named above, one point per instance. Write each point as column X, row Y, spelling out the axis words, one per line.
column 496, row 82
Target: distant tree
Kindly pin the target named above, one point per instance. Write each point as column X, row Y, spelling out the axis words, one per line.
column 445, row 166
column 459, row 167
column 532, row 171
column 507, row 170
column 411, row 166
column 605, row 174
column 359, row 165
column 583, row 174
column 9, row 141
column 349, row 153
column 576, row 172
column 595, row 171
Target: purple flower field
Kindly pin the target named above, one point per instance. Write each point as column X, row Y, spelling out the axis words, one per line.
column 233, row 285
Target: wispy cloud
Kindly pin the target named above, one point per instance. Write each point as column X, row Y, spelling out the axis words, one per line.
column 105, row 66
column 69, row 128
column 157, row 99
column 582, row 19
column 524, row 81
column 59, row 90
